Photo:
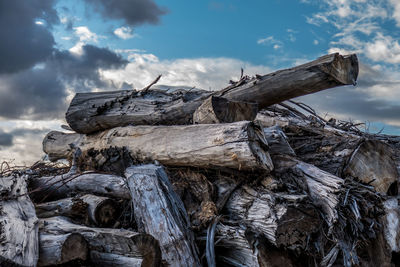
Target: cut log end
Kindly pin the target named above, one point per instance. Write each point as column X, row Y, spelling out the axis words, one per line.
column 221, row 110
column 106, row 213
column 372, row 162
column 75, row 247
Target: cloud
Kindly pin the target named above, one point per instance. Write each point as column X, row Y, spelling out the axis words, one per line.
column 270, row 40
column 84, row 36
column 124, row 33
column 6, row 139
column 24, row 42
column 205, row 73
column 133, row 12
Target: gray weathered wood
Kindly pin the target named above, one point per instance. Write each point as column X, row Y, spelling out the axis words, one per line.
column 285, row 220
column 322, row 187
column 114, row 260
column 59, row 249
column 102, row 211
column 18, row 224
column 323, row 73
column 159, row 211
column 391, row 224
column 91, row 112
column 239, row 145
column 63, row 186
column 221, row 110
column 112, row 241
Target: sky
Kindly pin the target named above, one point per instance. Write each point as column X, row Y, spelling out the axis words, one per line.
column 52, row 49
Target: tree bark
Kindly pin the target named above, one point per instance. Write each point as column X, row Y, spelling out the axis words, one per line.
column 63, row 186
column 341, row 153
column 221, row 110
column 114, row 260
column 285, row 220
column 323, row 73
column 91, row 112
column 59, row 249
column 322, row 187
column 159, row 211
column 239, row 145
column 18, row 224
column 111, row 241
column 101, row 211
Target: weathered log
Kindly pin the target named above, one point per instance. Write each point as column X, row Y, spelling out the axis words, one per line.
column 63, row 186
column 91, row 112
column 18, row 224
column 338, row 152
column 114, row 260
column 221, row 110
column 236, row 247
column 159, row 211
column 322, row 187
column 284, row 220
column 323, row 73
column 239, row 145
column 59, row 249
column 391, row 224
column 102, row 211
column 110, row 241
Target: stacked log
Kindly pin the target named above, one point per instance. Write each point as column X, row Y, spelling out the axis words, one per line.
column 235, row 177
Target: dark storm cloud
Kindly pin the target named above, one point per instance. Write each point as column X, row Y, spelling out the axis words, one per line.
column 134, row 12
column 6, row 139
column 23, row 42
column 83, row 71
column 41, row 92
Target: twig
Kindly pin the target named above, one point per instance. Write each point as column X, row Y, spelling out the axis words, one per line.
column 151, row 84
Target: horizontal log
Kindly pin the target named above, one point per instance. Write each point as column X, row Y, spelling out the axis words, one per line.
column 323, row 73
column 114, row 260
column 151, row 193
column 60, row 249
column 63, row 186
column 91, row 112
column 101, row 211
column 239, row 145
column 18, row 223
column 112, row 241
column 221, row 110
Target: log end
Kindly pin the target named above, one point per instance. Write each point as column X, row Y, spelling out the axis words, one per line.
column 56, row 145
column 372, row 163
column 75, row 248
column 106, row 213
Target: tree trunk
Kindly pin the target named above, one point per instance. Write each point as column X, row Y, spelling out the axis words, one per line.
column 18, row 224
column 62, row 186
column 342, row 154
column 221, row 110
column 91, row 112
column 322, row 187
column 391, row 224
column 285, row 220
column 159, row 211
column 323, row 73
column 239, row 145
column 101, row 211
column 111, row 241
column 59, row 249
column 114, row 260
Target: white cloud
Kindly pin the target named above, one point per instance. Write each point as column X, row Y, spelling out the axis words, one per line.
column 206, row 73
column 396, row 11
column 270, row 40
column 124, row 33
column 84, row 36
column 316, row 42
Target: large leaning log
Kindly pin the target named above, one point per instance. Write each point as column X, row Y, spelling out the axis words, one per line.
column 18, row 224
column 91, row 112
column 159, row 211
column 63, row 186
column 102, row 211
column 142, row 248
column 239, row 145
column 59, row 249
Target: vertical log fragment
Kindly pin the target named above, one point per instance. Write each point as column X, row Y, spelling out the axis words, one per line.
column 159, row 211
column 18, row 224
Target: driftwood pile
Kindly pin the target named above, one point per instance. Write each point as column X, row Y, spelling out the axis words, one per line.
column 186, row 177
